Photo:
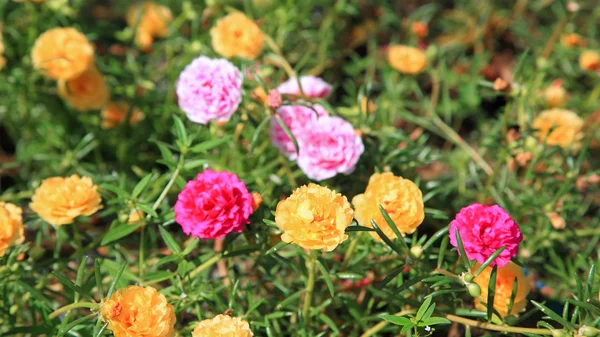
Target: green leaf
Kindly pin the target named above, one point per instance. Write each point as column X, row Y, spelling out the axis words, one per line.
column 326, row 277
column 394, row 228
column 68, row 283
column 434, row 321
column 80, row 272
column 141, row 185
column 442, row 252
column 99, row 332
column 75, row 323
column 358, row 228
column 169, row 240
column 553, row 315
column 398, row 320
column 491, row 293
column 441, row 233
column 117, row 232
column 209, row 144
column 385, row 238
column 257, row 131
column 113, row 284
column 276, row 247
column 98, row 277
column 270, row 223
column 423, row 308
column 461, row 250
column 390, row 277
column 158, row 276
column 191, row 246
column 180, row 130
column 489, row 260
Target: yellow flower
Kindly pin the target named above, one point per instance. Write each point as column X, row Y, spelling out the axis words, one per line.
column 139, row 312
column 135, row 216
column 400, row 198
column 505, row 278
column 151, row 20
column 566, row 128
column 555, row 95
column 60, row 200
column 115, row 113
column 87, row 91
column 11, row 226
column 237, row 35
column 62, row 53
column 223, row 326
column 407, row 60
column 314, row 217
column 589, row 60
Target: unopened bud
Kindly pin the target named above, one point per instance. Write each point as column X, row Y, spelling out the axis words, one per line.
column 416, row 251
column 588, row 331
column 468, row 277
column 474, row 290
column 123, row 217
column 13, row 309
column 559, row 333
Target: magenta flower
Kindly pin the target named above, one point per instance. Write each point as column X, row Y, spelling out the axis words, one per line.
column 297, row 118
column 213, row 205
column 313, row 87
column 209, row 90
column 485, row 229
column 328, row 147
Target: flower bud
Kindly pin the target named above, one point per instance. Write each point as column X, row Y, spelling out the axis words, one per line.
column 559, row 333
column 474, row 290
column 123, row 217
column 588, row 331
column 416, row 251
column 13, row 309
column 467, row 277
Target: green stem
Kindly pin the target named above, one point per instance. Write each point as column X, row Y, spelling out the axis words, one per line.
column 310, row 284
column 141, row 258
column 163, row 194
column 59, row 311
column 350, row 251
column 494, row 327
column 205, row 265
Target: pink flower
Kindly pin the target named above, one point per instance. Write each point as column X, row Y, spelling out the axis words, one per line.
column 297, row 118
column 483, row 230
column 328, row 147
column 274, row 99
column 213, row 205
column 209, row 90
column 313, row 87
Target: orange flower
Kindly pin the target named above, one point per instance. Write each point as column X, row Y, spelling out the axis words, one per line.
column 135, row 216
column 367, row 105
column 400, row 198
column 555, row 95
column 589, row 60
column 237, row 35
column 256, row 200
column 420, row 29
column 407, row 60
column 314, row 217
column 139, row 312
column 11, row 226
column 566, row 128
column 505, row 278
column 62, row 53
column 572, row 40
column 60, row 200
column 151, row 20
column 115, row 113
column 87, row 91
column 223, row 326
column 2, row 58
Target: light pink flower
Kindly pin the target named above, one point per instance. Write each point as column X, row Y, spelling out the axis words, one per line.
column 274, row 99
column 296, row 118
column 213, row 205
column 209, row 90
column 328, row 147
column 483, row 230
column 313, row 87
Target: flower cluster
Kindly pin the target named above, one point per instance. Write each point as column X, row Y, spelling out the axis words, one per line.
column 327, row 145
